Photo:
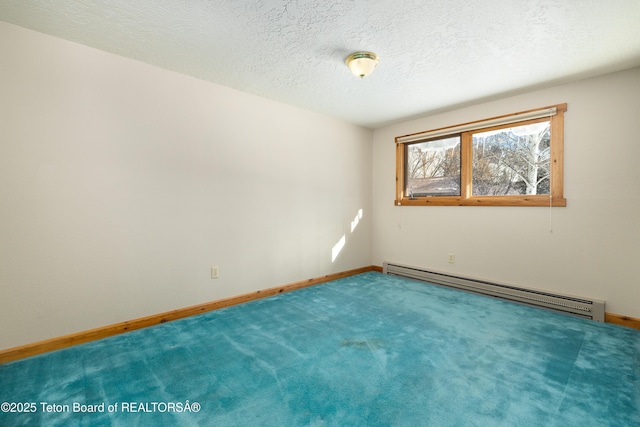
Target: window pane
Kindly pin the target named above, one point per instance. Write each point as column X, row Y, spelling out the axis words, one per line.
column 433, row 168
column 512, row 161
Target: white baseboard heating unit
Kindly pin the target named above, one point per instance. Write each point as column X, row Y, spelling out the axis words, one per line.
column 577, row 306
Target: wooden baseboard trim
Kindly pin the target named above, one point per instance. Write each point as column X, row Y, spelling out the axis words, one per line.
column 618, row 319
column 58, row 343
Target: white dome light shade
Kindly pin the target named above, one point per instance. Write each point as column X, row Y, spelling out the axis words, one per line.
column 362, row 64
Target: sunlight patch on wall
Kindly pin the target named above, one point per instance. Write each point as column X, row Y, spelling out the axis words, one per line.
column 356, row 220
column 338, row 247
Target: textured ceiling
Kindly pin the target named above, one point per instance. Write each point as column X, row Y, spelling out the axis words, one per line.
column 435, row 54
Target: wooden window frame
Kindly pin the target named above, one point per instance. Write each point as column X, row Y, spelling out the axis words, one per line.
column 555, row 199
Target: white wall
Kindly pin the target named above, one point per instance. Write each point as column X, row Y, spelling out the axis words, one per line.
column 121, row 184
column 594, row 247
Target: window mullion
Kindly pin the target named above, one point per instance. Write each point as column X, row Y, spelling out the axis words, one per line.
column 466, row 165
column 400, row 172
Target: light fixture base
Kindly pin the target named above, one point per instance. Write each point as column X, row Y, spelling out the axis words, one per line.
column 362, row 63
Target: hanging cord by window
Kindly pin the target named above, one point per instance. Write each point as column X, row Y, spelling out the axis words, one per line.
column 550, row 211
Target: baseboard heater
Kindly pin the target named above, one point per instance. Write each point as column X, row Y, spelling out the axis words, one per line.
column 577, row 306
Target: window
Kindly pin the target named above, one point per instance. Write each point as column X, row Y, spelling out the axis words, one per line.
column 513, row 160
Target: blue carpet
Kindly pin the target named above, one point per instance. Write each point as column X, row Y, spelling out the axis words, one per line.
column 368, row 350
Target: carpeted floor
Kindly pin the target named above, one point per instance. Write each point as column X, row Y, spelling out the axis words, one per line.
column 368, row 350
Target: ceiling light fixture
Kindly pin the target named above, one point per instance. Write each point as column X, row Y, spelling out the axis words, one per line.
column 362, row 63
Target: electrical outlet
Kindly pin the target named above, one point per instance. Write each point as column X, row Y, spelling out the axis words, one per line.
column 452, row 258
column 214, row 272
